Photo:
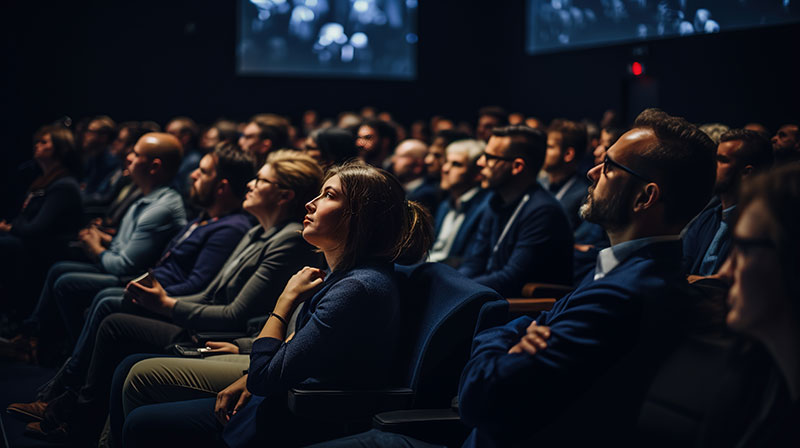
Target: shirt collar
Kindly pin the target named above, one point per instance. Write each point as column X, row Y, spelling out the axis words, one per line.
column 611, row 257
column 413, row 184
column 464, row 198
column 154, row 195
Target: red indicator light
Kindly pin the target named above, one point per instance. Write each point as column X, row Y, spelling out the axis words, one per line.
column 637, row 69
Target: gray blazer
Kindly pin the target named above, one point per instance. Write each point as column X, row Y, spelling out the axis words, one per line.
column 249, row 283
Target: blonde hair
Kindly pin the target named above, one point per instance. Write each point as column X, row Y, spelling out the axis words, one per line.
column 298, row 172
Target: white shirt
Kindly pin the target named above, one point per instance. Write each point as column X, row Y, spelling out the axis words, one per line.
column 450, row 226
column 610, row 257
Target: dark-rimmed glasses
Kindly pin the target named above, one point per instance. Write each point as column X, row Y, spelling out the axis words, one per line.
column 608, row 161
column 494, row 157
column 261, row 179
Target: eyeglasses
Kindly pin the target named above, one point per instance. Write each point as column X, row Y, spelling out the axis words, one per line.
column 608, row 161
column 495, row 157
column 261, row 179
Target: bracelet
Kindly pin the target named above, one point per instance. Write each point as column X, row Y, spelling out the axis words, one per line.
column 283, row 321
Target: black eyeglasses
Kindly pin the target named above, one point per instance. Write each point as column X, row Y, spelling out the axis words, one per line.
column 608, row 161
column 261, row 179
column 494, row 157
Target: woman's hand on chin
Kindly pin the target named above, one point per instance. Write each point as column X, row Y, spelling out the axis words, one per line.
column 303, row 285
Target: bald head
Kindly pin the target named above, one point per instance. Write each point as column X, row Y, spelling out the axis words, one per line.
column 163, row 147
column 408, row 161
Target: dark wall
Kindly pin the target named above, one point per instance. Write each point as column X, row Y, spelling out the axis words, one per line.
column 155, row 59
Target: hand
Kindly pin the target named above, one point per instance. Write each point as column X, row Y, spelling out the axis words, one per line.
column 222, row 347
column 92, row 241
column 583, row 247
column 232, row 399
column 302, row 285
column 4, row 226
column 153, row 298
column 534, row 340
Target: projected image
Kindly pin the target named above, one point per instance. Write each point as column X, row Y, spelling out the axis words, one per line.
column 554, row 25
column 341, row 38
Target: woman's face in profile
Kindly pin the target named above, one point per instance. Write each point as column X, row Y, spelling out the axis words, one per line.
column 757, row 295
column 43, row 148
column 324, row 225
column 263, row 192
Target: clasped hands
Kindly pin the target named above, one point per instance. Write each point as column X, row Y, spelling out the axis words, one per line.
column 94, row 240
column 534, row 340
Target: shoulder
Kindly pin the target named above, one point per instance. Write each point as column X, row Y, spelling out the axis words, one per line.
column 371, row 281
column 66, row 184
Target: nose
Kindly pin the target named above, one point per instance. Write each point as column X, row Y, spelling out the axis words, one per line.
column 310, row 206
column 481, row 161
column 594, row 173
column 195, row 174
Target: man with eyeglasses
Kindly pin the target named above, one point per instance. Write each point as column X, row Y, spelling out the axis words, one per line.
column 524, row 235
column 578, row 373
column 375, row 140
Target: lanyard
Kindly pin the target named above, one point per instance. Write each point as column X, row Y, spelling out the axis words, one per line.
column 510, row 222
column 563, row 190
column 186, row 235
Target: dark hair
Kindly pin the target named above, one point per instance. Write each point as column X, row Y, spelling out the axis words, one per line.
column 383, row 129
column 496, row 112
column 527, row 143
column 228, row 131
column 235, row 165
column 336, row 145
column 573, row 135
column 63, row 148
column 382, row 224
column 297, row 172
column 275, row 133
column 107, row 126
column 451, row 135
column 780, row 191
column 614, row 132
column 186, row 126
column 755, row 150
column 683, row 163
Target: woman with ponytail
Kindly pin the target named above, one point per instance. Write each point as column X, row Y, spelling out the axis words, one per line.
column 346, row 333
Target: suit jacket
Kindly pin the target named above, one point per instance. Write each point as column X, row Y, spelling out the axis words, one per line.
column 473, row 211
column 249, row 283
column 572, row 197
column 698, row 237
column 510, row 399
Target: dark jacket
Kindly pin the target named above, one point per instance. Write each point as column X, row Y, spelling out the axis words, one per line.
column 473, row 211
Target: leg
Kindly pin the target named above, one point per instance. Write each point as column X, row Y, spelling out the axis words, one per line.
column 72, row 293
column 45, row 311
column 184, row 423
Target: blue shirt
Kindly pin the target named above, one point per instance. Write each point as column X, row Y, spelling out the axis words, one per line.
column 707, row 241
column 145, row 229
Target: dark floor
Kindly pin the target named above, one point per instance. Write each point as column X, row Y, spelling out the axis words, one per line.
column 18, row 383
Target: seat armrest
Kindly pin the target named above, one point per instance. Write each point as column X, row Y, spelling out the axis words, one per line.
column 222, row 336
column 529, row 306
column 347, row 405
column 545, row 290
column 438, row 426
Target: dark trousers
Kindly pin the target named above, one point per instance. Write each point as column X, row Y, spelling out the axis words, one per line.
column 181, row 423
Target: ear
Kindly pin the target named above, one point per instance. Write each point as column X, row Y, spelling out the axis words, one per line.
column 518, row 165
column 155, row 165
column 266, row 146
column 747, row 170
column 647, row 197
column 286, row 196
column 569, row 154
column 223, row 185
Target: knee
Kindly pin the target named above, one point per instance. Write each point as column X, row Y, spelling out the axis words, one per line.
column 137, row 383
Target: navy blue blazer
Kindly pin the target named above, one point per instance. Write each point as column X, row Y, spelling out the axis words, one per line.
column 473, row 211
column 537, row 247
column 573, row 198
column 428, row 194
column 698, row 237
column 504, row 397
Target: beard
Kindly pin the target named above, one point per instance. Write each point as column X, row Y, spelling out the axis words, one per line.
column 201, row 199
column 612, row 213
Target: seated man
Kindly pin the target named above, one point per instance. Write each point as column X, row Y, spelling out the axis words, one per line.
column 524, row 235
column 146, row 228
column 460, row 213
column 566, row 146
column 527, row 374
column 408, row 164
column 707, row 240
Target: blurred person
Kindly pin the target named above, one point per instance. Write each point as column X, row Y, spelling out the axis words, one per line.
column 566, row 145
column 741, row 154
column 187, row 132
column 330, row 146
column 760, row 128
column 375, row 140
column 99, row 163
column 459, row 215
column 524, row 234
column 408, row 164
column 222, row 131
column 97, row 204
column 714, row 130
column 436, row 151
column 259, row 138
column 786, row 143
column 420, row 131
column 535, row 123
column 608, row 136
column 489, row 117
column 515, row 118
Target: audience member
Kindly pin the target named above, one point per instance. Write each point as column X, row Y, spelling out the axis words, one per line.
column 459, row 215
column 408, row 164
column 706, row 241
column 490, row 117
column 248, row 285
column 566, row 145
column 99, row 163
column 222, row 131
column 375, row 140
column 759, row 128
column 365, row 208
column 330, row 146
column 714, row 130
column 97, row 204
column 524, row 234
column 261, row 136
column 653, row 180
column 436, row 151
column 786, row 143
column 187, row 132
column 608, row 136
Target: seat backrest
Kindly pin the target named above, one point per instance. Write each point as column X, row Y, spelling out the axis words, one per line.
column 441, row 309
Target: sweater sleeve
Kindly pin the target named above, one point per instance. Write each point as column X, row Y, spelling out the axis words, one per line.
column 154, row 227
column 213, row 254
column 256, row 298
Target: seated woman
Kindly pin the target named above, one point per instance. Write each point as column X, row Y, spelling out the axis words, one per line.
column 50, row 217
column 758, row 402
column 247, row 286
column 346, row 333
